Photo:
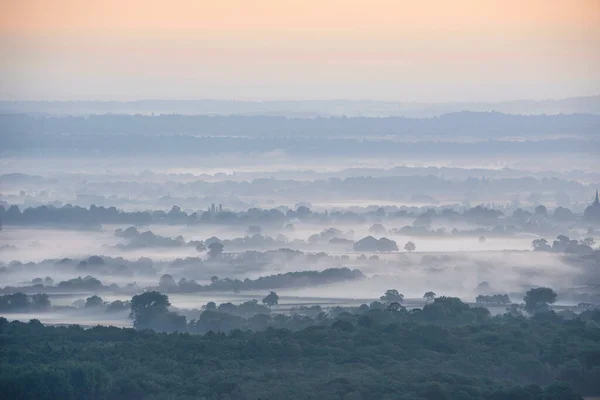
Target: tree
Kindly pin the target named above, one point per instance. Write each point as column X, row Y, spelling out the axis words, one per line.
column 563, row 238
column 563, row 214
column 429, row 296
column 588, row 241
column 167, row 281
column 540, row 245
column 386, row 245
column 495, row 299
column 117, row 306
column 149, row 300
column 482, row 239
column 541, row 210
column 392, row 295
column 369, row 243
column 444, row 308
column 149, row 311
column 40, row 301
column 144, row 306
column 410, row 247
column 377, row 229
column 271, row 299
column 539, row 299
column 14, row 302
column 215, row 249
column 394, row 306
column 94, row 302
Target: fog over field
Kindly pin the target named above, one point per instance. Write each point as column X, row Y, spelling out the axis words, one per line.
column 103, row 197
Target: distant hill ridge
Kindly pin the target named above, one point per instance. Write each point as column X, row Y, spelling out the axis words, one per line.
column 461, row 124
column 302, row 108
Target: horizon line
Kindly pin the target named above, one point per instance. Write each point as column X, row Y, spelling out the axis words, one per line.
column 258, row 101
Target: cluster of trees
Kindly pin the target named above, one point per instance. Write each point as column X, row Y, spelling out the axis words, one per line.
column 371, row 244
column 166, row 283
column 20, row 302
column 447, row 350
column 215, row 246
column 256, row 241
column 96, row 303
column 563, row 244
column 140, row 240
column 329, row 234
column 392, row 295
column 75, row 216
column 79, row 284
column 495, row 299
column 539, row 300
column 246, row 309
column 150, row 310
column 288, row 279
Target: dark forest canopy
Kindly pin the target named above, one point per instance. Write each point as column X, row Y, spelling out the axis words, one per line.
column 368, row 356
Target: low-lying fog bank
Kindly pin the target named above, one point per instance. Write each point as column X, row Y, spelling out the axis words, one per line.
column 329, row 258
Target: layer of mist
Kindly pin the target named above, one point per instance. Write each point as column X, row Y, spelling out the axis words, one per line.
column 228, row 208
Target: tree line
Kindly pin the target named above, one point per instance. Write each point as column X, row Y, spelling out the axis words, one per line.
column 454, row 354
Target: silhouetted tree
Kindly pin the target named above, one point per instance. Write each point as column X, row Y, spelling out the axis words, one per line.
column 94, row 302
column 40, row 301
column 146, row 306
column 410, row 247
column 495, row 299
column 167, row 281
column 271, row 299
column 392, row 295
column 541, row 210
column 539, row 299
column 215, row 249
column 118, row 305
column 14, row 302
column 540, row 245
column 394, row 306
column 429, row 296
column 369, row 243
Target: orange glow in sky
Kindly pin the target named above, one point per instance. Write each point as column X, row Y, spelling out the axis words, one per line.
column 282, row 49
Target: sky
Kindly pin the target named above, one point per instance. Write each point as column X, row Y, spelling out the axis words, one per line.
column 425, row 51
